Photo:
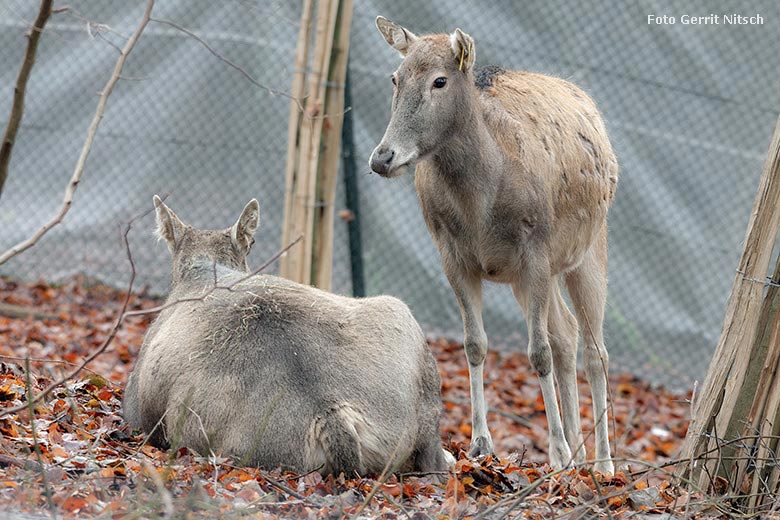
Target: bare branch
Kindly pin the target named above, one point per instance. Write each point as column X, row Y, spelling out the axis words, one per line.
column 11, row 310
column 214, row 287
column 509, row 415
column 240, row 69
column 54, row 362
column 80, row 164
column 36, row 446
column 17, row 108
column 124, row 314
column 165, row 495
column 102, row 348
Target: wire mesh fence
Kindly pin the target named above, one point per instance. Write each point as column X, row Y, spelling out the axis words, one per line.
column 689, row 108
column 194, row 118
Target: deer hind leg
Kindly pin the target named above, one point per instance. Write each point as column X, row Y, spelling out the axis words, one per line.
column 468, row 291
column 587, row 286
column 430, row 457
column 562, row 329
column 533, row 293
column 333, row 444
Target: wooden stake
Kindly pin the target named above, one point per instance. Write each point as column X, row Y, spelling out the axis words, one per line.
column 328, row 171
column 297, row 92
column 310, row 157
column 754, row 458
column 728, row 396
column 314, row 141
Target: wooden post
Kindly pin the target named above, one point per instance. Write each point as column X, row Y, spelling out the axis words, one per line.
column 740, row 398
column 328, row 171
column 314, row 139
column 293, row 130
column 763, row 421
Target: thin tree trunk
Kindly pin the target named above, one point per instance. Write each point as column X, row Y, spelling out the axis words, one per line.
column 75, row 179
column 17, row 108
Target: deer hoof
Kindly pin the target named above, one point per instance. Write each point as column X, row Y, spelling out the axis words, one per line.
column 605, row 467
column 481, row 447
column 560, row 456
column 449, row 458
column 579, row 457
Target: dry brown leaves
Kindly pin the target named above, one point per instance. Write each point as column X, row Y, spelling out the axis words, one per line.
column 77, row 456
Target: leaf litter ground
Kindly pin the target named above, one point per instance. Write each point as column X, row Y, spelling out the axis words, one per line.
column 78, row 459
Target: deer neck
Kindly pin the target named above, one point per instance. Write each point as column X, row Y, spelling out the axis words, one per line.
column 199, row 271
column 469, row 158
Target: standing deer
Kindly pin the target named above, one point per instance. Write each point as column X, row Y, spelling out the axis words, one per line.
column 515, row 174
column 276, row 373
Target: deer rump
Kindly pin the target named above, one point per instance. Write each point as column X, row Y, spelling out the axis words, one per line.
column 275, row 374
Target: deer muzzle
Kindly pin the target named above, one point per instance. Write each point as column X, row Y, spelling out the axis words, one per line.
column 381, row 160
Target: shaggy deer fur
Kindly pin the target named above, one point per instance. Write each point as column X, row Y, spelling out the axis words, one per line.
column 515, row 174
column 276, row 373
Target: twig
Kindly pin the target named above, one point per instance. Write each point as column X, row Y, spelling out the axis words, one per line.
column 213, row 288
column 423, row 473
column 124, row 314
column 31, row 407
column 212, row 456
column 102, row 347
column 282, row 487
column 160, row 485
column 17, row 108
column 398, row 504
column 112, row 44
column 602, row 498
column 9, row 460
column 93, row 25
column 70, row 190
column 19, row 312
column 516, row 498
column 509, row 415
column 288, row 490
column 232, row 64
column 548, row 504
column 260, row 502
column 56, row 362
column 381, row 480
column 148, row 436
column 691, row 463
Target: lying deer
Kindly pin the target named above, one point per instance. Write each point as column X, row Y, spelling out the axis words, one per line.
column 515, row 174
column 276, row 373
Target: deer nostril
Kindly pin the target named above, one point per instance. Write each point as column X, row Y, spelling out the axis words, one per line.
column 388, row 156
column 381, row 160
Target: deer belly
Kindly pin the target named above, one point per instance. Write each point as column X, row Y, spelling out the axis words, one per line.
column 501, row 263
column 574, row 238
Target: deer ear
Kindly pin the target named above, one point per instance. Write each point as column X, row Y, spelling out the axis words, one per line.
column 169, row 227
column 463, row 47
column 396, row 36
column 243, row 231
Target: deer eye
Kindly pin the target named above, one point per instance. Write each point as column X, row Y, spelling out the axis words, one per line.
column 439, row 82
column 392, row 78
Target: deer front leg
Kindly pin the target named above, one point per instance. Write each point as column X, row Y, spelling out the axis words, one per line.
column 468, row 291
column 533, row 294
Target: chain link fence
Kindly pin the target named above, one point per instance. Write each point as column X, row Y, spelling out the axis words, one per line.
column 690, row 110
